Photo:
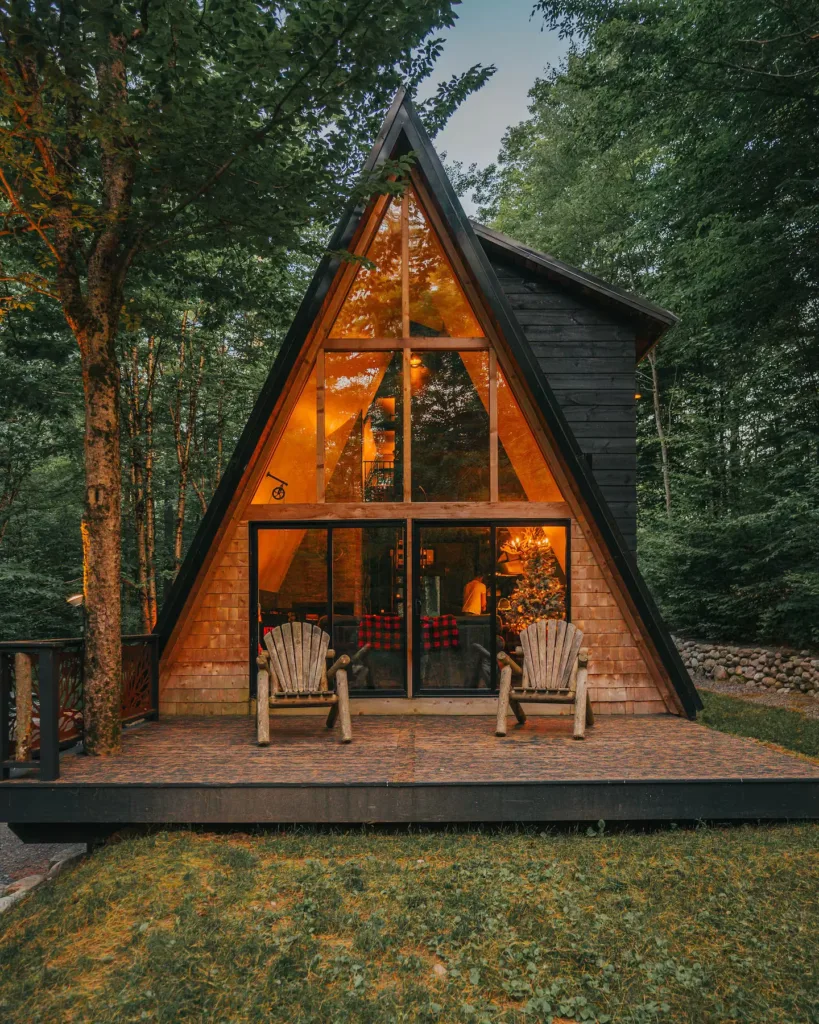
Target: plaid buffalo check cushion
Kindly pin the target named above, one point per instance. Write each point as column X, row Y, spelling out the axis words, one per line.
column 439, row 631
column 382, row 632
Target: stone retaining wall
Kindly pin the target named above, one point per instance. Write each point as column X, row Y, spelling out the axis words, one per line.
column 773, row 668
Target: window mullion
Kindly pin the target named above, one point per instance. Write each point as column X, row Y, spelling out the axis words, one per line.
column 493, row 425
column 406, row 423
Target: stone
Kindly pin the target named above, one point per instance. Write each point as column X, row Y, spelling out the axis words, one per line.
column 59, row 864
column 24, row 884
column 439, row 971
column 8, row 901
column 768, row 681
column 720, row 672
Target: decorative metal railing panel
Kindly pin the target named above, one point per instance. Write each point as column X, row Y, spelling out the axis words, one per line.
column 55, row 710
column 137, row 679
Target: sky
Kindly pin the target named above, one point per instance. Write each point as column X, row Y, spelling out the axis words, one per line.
column 503, row 33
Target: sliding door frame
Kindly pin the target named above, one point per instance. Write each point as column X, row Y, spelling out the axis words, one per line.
column 415, row 688
column 329, row 526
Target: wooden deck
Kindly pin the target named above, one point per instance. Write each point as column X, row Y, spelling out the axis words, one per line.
column 421, row 769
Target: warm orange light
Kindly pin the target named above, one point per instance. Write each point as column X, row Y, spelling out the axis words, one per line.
column 416, row 361
column 638, row 395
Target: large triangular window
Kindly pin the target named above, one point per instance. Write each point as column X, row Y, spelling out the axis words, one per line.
column 407, row 287
column 406, row 401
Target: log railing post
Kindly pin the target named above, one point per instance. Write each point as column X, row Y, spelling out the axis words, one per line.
column 5, row 714
column 49, row 716
column 23, row 701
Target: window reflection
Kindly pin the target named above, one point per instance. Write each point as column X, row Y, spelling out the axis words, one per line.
column 362, row 426
column 290, row 476
column 523, row 474
column 450, row 426
column 372, row 308
column 437, row 304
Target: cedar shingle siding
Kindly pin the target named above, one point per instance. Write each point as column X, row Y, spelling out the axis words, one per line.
column 588, row 356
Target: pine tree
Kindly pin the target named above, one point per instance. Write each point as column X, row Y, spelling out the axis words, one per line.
column 538, row 593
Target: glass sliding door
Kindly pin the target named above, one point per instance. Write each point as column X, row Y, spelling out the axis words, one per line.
column 476, row 586
column 454, row 609
column 349, row 580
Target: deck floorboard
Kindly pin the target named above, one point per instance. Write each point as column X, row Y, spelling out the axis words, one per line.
column 429, row 749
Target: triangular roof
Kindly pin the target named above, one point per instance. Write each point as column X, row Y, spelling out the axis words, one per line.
column 401, row 133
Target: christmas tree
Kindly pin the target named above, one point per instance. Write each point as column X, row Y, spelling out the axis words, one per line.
column 538, row 593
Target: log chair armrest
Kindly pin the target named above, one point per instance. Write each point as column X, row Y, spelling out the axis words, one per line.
column 583, row 657
column 519, row 651
column 504, row 659
column 342, row 662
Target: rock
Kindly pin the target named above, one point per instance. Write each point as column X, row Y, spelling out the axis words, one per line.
column 439, row 971
column 60, row 863
column 768, row 681
column 9, row 901
column 720, row 672
column 24, row 884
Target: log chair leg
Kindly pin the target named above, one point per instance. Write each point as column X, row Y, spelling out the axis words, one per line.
column 344, row 706
column 263, row 708
column 580, row 705
column 503, row 700
column 331, row 718
column 520, row 714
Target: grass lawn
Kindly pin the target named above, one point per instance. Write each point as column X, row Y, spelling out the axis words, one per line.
column 774, row 725
column 708, row 925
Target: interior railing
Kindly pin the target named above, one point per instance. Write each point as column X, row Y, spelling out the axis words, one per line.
column 42, row 700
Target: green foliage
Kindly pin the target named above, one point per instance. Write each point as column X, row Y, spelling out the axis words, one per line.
column 682, row 926
column 675, row 154
column 172, row 171
column 786, row 728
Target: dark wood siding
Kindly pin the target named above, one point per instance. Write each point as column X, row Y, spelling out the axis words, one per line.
column 588, row 356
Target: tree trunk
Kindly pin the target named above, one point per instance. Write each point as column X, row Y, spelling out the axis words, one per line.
column 101, row 538
column 658, row 420
column 150, row 511
column 140, row 435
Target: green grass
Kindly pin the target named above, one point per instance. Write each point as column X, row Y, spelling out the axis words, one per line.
column 774, row 725
column 708, row 926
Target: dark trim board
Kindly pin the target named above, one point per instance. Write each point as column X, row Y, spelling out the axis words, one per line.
column 41, row 804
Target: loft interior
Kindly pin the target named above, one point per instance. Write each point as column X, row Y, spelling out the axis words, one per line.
column 444, row 452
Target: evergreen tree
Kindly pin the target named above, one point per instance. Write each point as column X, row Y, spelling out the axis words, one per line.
column 539, row 592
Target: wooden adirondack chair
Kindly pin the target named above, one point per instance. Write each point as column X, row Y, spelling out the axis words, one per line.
column 293, row 673
column 554, row 672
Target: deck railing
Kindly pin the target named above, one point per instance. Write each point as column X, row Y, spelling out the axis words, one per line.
column 48, row 676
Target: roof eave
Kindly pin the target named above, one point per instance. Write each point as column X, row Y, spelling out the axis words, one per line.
column 653, row 320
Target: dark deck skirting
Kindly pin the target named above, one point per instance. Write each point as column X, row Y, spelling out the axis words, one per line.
column 421, row 769
column 360, row 803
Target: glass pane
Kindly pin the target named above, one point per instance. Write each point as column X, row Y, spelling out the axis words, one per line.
column 522, row 471
column 450, row 426
column 530, row 578
column 454, row 605
column 372, row 308
column 291, row 473
column 368, row 605
column 292, row 566
column 362, row 426
column 438, row 306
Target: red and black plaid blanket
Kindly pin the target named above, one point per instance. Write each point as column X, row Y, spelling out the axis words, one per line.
column 382, row 632
column 439, row 631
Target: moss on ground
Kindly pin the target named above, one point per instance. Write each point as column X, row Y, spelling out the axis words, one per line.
column 707, row 925
column 786, row 728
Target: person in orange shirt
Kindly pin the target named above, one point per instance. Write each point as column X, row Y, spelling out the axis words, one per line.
column 474, row 597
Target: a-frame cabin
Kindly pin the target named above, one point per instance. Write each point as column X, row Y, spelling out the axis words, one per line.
column 439, row 410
